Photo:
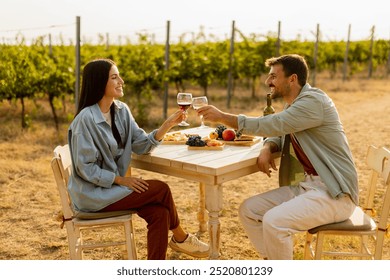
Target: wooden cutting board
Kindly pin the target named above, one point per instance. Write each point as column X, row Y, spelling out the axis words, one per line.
column 174, row 138
column 242, row 143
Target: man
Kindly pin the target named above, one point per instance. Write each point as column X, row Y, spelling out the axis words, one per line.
column 317, row 176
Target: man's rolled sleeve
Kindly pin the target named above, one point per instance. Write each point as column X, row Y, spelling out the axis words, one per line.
column 248, row 124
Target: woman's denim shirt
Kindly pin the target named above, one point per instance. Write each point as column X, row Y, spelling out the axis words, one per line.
column 97, row 159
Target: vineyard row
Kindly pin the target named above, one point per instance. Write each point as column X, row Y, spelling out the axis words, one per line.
column 28, row 72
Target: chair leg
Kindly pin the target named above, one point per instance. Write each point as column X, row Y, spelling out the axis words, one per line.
column 72, row 240
column 308, row 254
column 363, row 249
column 79, row 242
column 319, row 245
column 379, row 245
column 133, row 245
column 130, row 241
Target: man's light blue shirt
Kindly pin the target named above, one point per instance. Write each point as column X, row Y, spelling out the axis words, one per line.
column 313, row 119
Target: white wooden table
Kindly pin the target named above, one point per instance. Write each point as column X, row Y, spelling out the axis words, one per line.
column 210, row 168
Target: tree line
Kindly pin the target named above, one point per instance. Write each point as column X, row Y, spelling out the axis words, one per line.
column 38, row 71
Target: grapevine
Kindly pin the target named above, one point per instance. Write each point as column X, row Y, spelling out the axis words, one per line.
column 36, row 71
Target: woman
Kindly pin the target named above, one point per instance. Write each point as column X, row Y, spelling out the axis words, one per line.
column 102, row 138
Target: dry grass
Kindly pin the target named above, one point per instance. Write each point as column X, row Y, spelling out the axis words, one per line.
column 29, row 199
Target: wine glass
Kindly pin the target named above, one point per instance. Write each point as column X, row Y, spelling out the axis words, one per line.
column 184, row 101
column 198, row 102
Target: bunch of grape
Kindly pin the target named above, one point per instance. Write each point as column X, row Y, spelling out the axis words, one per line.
column 219, row 130
column 195, row 140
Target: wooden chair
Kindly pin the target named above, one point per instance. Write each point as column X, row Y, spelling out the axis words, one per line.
column 361, row 224
column 78, row 222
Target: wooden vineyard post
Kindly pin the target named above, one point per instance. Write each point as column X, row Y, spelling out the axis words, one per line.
column 231, row 60
column 166, row 68
column 345, row 66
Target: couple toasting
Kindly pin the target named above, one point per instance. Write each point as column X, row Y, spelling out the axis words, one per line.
column 104, row 134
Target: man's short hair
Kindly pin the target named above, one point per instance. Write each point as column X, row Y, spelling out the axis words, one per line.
column 292, row 64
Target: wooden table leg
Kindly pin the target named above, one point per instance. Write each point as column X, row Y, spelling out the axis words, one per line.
column 214, row 206
column 202, row 209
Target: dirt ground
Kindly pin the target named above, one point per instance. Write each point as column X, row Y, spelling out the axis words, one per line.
column 29, row 200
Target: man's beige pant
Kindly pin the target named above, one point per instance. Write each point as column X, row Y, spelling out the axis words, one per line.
column 270, row 219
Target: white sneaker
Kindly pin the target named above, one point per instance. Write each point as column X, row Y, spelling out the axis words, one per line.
column 191, row 246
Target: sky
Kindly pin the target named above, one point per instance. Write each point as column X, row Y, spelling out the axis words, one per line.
column 125, row 18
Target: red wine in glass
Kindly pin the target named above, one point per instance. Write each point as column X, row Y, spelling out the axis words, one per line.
column 184, row 106
column 184, row 100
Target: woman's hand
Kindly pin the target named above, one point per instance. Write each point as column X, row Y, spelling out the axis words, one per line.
column 170, row 122
column 175, row 118
column 137, row 184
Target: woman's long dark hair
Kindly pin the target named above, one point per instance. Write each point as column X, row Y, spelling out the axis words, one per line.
column 95, row 77
column 93, row 86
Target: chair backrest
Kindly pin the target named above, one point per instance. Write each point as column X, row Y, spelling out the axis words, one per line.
column 62, row 168
column 378, row 159
column 373, row 160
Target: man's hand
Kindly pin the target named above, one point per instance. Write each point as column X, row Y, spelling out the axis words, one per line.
column 210, row 113
column 213, row 114
column 265, row 161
